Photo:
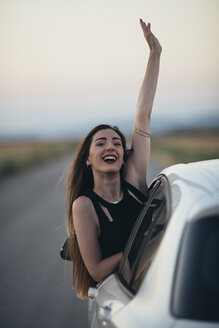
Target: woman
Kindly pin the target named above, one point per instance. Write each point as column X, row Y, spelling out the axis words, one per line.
column 107, row 186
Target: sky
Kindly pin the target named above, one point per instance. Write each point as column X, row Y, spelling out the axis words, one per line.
column 68, row 62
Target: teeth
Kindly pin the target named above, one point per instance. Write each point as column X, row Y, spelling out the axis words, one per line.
column 113, row 158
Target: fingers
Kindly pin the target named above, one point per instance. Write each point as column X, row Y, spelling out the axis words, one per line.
column 146, row 27
column 150, row 38
column 144, row 24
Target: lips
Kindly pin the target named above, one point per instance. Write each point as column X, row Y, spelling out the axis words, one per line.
column 109, row 158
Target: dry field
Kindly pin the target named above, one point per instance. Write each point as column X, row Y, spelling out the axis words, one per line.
column 186, row 147
column 168, row 149
column 19, row 156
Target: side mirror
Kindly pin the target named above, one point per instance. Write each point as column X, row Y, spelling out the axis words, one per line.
column 64, row 253
column 92, row 292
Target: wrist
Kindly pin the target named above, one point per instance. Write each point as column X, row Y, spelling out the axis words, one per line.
column 155, row 55
column 156, row 52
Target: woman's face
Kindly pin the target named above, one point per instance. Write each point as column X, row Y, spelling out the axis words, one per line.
column 106, row 152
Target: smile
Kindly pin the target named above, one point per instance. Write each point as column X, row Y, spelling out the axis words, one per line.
column 109, row 159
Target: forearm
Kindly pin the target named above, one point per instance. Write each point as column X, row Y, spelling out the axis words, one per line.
column 148, row 88
column 106, row 266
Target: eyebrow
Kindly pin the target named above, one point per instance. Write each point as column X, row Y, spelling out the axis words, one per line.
column 104, row 138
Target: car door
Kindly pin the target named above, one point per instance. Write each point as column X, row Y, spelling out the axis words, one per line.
column 146, row 237
column 115, row 292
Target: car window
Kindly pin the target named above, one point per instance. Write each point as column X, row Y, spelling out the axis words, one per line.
column 146, row 236
column 195, row 292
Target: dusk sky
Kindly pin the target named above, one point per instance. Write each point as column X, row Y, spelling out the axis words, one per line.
column 66, row 62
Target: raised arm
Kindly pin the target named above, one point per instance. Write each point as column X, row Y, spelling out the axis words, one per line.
column 138, row 159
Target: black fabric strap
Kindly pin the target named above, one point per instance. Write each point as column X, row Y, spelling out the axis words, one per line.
column 125, row 187
column 95, row 202
column 136, row 192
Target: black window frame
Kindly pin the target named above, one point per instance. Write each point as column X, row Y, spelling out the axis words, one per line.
column 192, row 298
column 160, row 181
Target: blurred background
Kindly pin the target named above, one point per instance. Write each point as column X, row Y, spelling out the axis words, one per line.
column 69, row 65
column 65, row 67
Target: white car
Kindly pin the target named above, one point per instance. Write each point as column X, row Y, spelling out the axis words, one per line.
column 169, row 274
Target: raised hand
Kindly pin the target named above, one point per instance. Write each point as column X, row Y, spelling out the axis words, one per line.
column 152, row 41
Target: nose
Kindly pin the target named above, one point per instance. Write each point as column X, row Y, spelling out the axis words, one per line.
column 110, row 146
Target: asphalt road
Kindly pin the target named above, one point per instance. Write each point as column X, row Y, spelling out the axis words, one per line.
column 36, row 284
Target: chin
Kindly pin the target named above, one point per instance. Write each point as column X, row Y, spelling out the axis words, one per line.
column 112, row 170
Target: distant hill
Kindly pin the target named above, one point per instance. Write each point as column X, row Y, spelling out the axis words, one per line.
column 167, row 125
column 160, row 125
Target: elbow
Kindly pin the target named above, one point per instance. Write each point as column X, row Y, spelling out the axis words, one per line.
column 97, row 274
column 96, row 277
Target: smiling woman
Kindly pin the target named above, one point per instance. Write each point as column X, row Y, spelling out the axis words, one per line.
column 106, row 152
column 107, row 187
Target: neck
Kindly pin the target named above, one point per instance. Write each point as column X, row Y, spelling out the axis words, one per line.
column 108, row 187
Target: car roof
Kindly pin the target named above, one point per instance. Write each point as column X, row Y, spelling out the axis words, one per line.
column 194, row 185
column 204, row 173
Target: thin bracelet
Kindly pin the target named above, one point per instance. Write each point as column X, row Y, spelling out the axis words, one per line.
column 143, row 133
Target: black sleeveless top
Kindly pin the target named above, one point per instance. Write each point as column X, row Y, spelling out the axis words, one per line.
column 114, row 233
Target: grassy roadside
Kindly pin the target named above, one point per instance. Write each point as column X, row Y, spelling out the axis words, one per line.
column 169, row 149
column 185, row 147
column 20, row 156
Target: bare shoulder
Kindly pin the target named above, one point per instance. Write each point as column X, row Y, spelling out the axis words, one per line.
column 82, row 203
column 83, row 211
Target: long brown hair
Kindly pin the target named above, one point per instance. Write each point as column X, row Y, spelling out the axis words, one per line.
column 79, row 181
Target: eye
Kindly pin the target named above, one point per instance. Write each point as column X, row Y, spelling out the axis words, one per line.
column 117, row 144
column 100, row 144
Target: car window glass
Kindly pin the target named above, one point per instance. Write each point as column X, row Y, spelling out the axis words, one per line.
column 195, row 291
column 150, row 245
column 146, row 236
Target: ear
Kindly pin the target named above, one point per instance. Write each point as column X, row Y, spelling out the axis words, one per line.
column 88, row 161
